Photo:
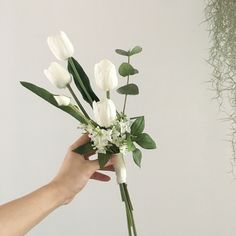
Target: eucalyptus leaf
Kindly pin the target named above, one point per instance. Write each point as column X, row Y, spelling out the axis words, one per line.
column 145, row 141
column 137, row 126
column 137, row 157
column 130, row 89
column 135, row 50
column 83, row 78
column 49, row 97
column 103, row 158
column 122, row 52
column 85, row 148
column 126, row 69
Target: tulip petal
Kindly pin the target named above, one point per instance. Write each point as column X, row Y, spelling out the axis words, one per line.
column 62, row 100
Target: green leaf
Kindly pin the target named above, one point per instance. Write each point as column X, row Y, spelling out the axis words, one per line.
column 138, row 126
column 85, row 148
column 49, row 97
column 137, row 157
column 145, row 141
column 85, row 80
column 122, row 52
column 103, row 158
column 135, row 50
column 130, row 89
column 126, row 69
column 130, row 145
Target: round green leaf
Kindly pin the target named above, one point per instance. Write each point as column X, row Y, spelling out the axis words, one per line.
column 122, row 52
column 130, row 89
column 126, row 69
column 135, row 50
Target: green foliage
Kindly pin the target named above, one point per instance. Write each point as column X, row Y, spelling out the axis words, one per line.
column 129, row 53
column 85, row 148
column 221, row 19
column 137, row 126
column 145, row 141
column 130, row 89
column 137, row 157
column 81, row 81
column 135, row 50
column 122, row 52
column 49, row 97
column 126, row 69
column 103, row 158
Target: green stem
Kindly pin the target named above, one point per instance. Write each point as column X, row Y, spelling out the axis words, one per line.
column 77, row 101
column 70, row 60
column 125, row 101
column 128, row 207
column 108, row 94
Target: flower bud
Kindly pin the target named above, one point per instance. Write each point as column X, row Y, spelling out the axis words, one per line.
column 105, row 75
column 104, row 112
column 62, row 100
column 60, row 46
column 58, row 75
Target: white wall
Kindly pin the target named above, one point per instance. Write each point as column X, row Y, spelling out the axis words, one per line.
column 183, row 187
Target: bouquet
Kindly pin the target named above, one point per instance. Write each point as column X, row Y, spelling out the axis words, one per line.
column 111, row 131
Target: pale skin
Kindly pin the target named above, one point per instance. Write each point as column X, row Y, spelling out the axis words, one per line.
column 19, row 216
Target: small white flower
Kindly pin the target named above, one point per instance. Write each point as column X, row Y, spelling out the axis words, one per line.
column 62, row 100
column 60, row 46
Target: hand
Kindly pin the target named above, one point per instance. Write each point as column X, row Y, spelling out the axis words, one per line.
column 76, row 170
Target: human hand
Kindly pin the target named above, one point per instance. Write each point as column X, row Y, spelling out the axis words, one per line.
column 76, row 170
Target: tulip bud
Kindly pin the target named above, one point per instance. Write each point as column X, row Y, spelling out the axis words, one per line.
column 105, row 75
column 104, row 112
column 60, row 46
column 58, row 75
column 62, row 100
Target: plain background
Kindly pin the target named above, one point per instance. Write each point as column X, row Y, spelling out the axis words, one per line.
column 184, row 187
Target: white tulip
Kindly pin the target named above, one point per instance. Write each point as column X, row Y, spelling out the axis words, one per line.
column 104, row 112
column 58, row 75
column 120, row 168
column 62, row 100
column 60, row 46
column 105, row 75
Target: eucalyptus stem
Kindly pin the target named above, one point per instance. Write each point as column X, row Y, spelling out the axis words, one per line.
column 77, row 101
column 125, row 101
column 70, row 60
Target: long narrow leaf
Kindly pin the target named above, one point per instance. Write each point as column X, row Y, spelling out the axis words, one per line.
column 49, row 97
column 85, row 80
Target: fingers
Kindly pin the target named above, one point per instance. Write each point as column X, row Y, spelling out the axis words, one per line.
column 95, row 164
column 108, row 168
column 101, row 177
column 82, row 140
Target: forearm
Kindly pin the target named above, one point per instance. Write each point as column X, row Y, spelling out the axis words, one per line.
column 19, row 216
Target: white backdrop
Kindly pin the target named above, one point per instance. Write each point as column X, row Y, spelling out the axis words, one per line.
column 183, row 187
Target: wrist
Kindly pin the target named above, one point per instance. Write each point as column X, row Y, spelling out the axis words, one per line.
column 58, row 192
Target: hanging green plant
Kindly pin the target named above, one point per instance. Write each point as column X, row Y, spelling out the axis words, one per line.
column 221, row 19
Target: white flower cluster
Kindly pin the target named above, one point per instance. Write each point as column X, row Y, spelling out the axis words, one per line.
column 103, row 138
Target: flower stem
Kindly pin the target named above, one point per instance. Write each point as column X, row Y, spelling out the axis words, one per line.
column 77, row 101
column 128, row 207
column 70, row 60
column 125, row 101
column 108, row 94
